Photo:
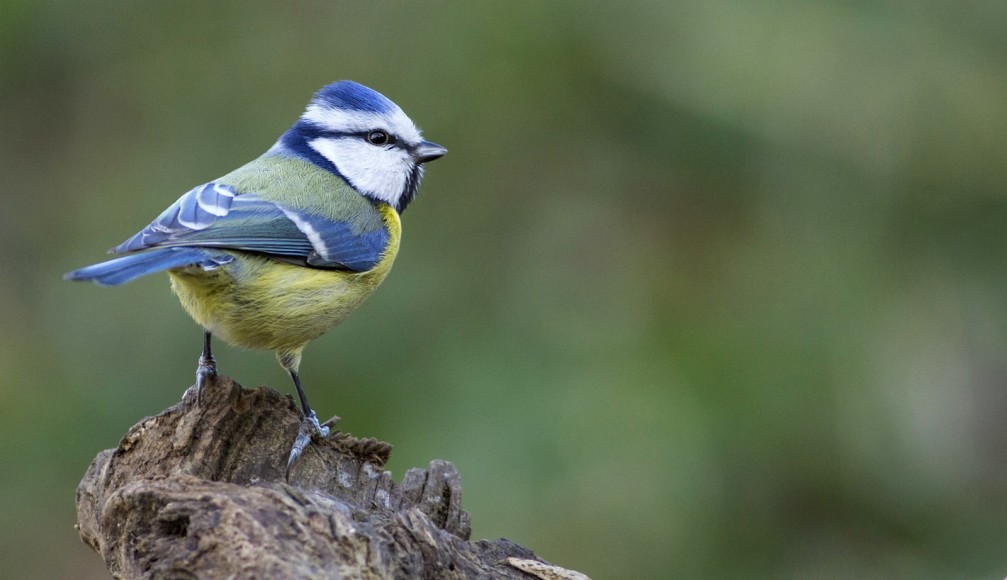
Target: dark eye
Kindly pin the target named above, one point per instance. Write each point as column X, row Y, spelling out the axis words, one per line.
column 378, row 137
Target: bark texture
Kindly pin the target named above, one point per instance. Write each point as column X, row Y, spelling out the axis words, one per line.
column 199, row 491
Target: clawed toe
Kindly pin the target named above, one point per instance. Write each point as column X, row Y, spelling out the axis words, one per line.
column 205, row 372
column 309, row 429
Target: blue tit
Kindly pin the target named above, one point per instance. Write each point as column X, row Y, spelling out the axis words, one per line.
column 278, row 251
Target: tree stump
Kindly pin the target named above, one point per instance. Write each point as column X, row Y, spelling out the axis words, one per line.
column 199, row 491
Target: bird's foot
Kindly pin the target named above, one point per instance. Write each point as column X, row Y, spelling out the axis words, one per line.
column 310, row 429
column 205, row 372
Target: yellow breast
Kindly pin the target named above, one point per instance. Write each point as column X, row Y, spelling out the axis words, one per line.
column 260, row 303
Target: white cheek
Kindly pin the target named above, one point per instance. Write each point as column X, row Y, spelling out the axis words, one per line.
column 372, row 170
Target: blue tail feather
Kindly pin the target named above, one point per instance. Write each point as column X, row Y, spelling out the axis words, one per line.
column 128, row 268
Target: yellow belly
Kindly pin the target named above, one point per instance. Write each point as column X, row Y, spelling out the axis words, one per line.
column 260, row 303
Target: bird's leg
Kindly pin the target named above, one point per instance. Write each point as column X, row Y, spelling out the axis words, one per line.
column 309, row 424
column 207, row 368
column 309, row 414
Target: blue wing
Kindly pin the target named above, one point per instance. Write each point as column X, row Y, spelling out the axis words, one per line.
column 216, row 216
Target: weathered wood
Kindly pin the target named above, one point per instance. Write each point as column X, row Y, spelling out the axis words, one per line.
column 199, row 491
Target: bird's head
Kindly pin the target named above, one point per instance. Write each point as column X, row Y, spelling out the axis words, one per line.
column 366, row 139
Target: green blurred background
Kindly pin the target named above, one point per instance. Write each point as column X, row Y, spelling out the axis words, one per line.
column 703, row 289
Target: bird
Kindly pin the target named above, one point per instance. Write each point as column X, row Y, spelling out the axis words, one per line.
column 275, row 253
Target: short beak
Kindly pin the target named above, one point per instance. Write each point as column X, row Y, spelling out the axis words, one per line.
column 427, row 151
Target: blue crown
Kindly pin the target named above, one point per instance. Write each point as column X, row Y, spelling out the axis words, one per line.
column 348, row 95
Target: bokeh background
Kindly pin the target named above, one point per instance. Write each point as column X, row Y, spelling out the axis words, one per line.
column 703, row 289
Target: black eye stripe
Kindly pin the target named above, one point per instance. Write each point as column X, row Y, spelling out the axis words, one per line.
column 393, row 140
column 369, row 136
